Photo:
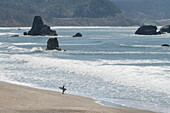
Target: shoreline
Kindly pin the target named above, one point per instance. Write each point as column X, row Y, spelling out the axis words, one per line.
column 25, row 99
column 53, row 27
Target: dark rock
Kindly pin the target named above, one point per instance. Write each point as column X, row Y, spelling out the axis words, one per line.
column 78, row 35
column 53, row 44
column 15, row 36
column 165, row 29
column 25, row 33
column 38, row 28
column 167, row 45
column 147, row 30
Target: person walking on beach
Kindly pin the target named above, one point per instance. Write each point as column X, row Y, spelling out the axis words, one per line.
column 63, row 89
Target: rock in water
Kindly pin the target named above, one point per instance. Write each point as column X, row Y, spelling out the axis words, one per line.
column 53, row 44
column 78, row 35
column 15, row 36
column 38, row 28
column 166, row 45
column 25, row 33
column 165, row 29
column 147, row 30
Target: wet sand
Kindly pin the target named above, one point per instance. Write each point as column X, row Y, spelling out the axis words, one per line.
column 21, row 99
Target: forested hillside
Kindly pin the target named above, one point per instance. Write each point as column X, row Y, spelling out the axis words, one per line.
column 21, row 12
column 146, row 11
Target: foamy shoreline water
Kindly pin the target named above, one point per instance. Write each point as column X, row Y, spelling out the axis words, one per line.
column 6, row 88
column 110, row 64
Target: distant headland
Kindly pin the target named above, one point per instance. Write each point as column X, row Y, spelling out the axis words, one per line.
column 62, row 13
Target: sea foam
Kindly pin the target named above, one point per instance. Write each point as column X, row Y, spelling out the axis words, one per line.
column 146, row 78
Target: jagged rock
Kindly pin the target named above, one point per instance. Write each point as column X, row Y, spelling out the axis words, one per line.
column 38, row 28
column 167, row 45
column 165, row 29
column 52, row 44
column 78, row 35
column 147, row 30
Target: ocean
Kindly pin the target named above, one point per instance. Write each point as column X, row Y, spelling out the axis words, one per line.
column 110, row 64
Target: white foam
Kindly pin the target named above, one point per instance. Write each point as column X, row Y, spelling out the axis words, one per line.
column 78, row 44
column 9, row 28
column 153, row 78
column 19, row 49
column 155, row 46
column 38, row 49
column 104, row 52
column 25, row 43
column 2, row 76
column 60, row 36
column 2, row 43
column 3, row 34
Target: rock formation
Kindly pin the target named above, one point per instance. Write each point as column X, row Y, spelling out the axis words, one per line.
column 25, row 33
column 15, row 36
column 52, row 44
column 165, row 29
column 38, row 28
column 166, row 45
column 147, row 30
column 78, row 35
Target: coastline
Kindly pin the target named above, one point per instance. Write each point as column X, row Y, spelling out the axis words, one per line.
column 23, row 99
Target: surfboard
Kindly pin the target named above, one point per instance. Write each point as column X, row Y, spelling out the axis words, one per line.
column 62, row 88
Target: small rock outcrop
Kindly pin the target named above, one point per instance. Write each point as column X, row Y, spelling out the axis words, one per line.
column 38, row 28
column 147, row 30
column 166, row 45
column 25, row 33
column 165, row 29
column 78, row 35
column 15, row 36
column 52, row 44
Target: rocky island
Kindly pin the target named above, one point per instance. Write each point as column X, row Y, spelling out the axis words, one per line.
column 165, row 29
column 78, row 35
column 147, row 30
column 38, row 28
column 52, row 44
column 152, row 30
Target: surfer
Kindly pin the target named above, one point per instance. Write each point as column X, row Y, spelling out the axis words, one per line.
column 63, row 89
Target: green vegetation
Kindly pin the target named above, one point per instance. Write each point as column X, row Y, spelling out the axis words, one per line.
column 146, row 11
column 21, row 12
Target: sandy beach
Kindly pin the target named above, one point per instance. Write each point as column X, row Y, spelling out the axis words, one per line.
column 21, row 99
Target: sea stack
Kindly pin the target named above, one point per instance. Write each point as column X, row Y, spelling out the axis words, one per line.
column 78, row 35
column 38, row 28
column 52, row 44
column 165, row 29
column 147, row 30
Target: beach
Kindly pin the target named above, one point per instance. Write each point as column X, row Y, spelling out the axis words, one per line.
column 109, row 64
column 21, row 99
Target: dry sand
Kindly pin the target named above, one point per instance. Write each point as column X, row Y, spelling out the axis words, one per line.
column 20, row 99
